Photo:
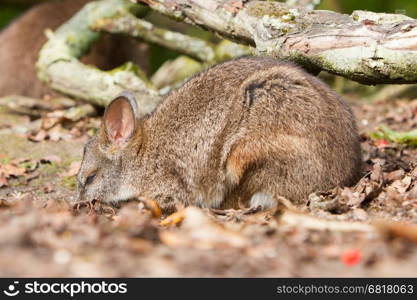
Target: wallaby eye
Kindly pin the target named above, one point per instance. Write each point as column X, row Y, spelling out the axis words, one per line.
column 90, row 179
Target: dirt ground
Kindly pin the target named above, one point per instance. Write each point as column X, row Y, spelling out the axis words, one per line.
column 366, row 230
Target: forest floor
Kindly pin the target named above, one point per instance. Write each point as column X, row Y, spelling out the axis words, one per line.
column 366, row 230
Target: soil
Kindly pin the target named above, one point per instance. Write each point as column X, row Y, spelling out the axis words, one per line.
column 366, row 230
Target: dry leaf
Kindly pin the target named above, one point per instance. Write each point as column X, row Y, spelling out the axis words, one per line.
column 73, row 169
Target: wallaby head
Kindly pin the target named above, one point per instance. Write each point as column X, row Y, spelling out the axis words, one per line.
column 105, row 165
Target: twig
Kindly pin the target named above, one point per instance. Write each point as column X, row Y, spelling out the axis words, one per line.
column 59, row 67
column 395, row 92
column 34, row 107
column 130, row 25
column 398, row 229
column 74, row 113
column 174, row 72
column 303, row 220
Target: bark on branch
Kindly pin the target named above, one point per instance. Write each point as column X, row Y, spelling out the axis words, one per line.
column 59, row 67
column 130, row 25
column 366, row 47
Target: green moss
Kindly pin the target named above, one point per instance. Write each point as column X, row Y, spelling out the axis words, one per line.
column 28, row 164
column 70, row 182
column 52, row 168
column 131, row 67
column 260, row 9
column 227, row 50
column 408, row 138
column 5, row 160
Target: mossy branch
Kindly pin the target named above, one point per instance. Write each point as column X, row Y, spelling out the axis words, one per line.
column 366, row 47
column 59, row 67
column 145, row 31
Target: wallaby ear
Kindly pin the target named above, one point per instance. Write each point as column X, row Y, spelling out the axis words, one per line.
column 121, row 118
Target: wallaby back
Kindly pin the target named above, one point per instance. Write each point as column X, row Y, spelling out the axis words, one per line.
column 244, row 131
column 21, row 41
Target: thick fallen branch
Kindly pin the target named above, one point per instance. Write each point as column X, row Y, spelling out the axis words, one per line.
column 145, row 31
column 174, row 72
column 75, row 113
column 34, row 107
column 394, row 92
column 290, row 218
column 367, row 47
column 59, row 67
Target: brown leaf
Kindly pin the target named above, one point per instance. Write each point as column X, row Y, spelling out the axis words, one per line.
column 11, row 170
column 173, row 219
column 59, row 133
column 152, row 205
column 48, row 123
column 73, row 169
column 398, row 229
column 353, row 198
column 3, row 181
column 5, row 204
column 40, row 136
column 52, row 158
column 394, row 175
column 199, row 231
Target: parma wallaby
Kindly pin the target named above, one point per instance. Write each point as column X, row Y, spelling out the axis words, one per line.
column 21, row 41
column 244, row 131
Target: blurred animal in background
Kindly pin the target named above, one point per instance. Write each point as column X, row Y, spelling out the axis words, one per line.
column 22, row 40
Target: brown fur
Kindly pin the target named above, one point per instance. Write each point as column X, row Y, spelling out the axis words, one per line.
column 21, row 41
column 246, row 126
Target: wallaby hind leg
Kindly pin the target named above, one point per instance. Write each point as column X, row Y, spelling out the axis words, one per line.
column 261, row 170
column 256, row 175
column 264, row 185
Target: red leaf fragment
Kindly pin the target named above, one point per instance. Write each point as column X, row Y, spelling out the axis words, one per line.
column 381, row 143
column 351, row 257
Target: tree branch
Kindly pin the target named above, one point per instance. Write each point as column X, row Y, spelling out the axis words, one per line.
column 130, row 25
column 366, row 47
column 59, row 67
column 173, row 73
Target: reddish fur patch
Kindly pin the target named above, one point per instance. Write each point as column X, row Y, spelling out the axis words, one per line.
column 239, row 160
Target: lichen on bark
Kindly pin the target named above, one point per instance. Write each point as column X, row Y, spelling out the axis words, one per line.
column 365, row 46
column 59, row 65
